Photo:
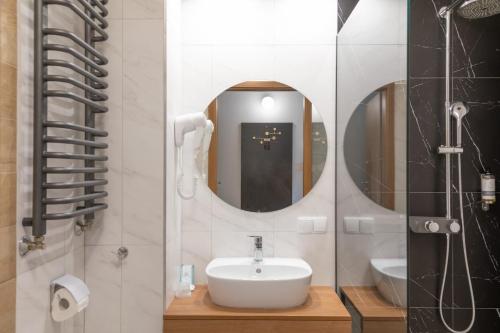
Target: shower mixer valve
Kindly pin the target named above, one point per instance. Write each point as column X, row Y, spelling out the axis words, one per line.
column 434, row 225
column 431, row 226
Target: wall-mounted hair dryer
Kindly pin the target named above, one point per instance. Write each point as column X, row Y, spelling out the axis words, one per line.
column 202, row 141
column 187, row 124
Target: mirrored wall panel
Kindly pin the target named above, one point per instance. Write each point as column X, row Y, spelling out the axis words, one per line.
column 371, row 163
column 268, row 148
column 375, row 146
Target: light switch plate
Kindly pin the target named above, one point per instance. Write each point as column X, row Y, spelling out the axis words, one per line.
column 351, row 225
column 359, row 225
column 312, row 225
column 320, row 225
column 305, row 225
column 366, row 225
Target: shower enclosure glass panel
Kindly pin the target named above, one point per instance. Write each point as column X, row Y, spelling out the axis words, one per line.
column 371, row 164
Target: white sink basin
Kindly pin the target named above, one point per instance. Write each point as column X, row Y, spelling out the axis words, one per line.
column 273, row 284
column 390, row 279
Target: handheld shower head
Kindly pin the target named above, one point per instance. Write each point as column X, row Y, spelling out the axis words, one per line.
column 459, row 110
column 476, row 9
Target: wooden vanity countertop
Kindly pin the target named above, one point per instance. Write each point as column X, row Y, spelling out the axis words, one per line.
column 371, row 306
column 323, row 304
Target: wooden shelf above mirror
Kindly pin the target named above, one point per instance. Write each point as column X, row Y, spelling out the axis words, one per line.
column 261, row 86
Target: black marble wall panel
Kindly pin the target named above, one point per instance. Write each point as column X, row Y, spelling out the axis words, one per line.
column 345, row 8
column 476, row 80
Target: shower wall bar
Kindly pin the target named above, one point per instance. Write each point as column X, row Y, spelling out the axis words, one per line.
column 85, row 86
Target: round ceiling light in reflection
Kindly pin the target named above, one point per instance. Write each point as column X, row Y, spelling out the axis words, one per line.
column 268, row 103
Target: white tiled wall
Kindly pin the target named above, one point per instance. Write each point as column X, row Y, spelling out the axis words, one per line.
column 371, row 54
column 173, row 101
column 126, row 296
column 129, row 294
column 225, row 42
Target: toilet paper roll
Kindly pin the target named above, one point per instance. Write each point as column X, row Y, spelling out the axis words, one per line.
column 64, row 305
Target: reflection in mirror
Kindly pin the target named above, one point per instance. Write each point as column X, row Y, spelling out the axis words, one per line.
column 371, row 192
column 375, row 146
column 268, row 149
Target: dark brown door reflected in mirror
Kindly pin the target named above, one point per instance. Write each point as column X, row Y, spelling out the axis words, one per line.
column 266, row 166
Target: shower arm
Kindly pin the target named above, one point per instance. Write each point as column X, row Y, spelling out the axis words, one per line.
column 444, row 11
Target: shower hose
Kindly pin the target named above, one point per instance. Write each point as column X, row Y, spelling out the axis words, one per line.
column 464, row 246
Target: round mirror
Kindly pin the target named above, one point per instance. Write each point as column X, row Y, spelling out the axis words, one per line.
column 375, row 146
column 268, row 148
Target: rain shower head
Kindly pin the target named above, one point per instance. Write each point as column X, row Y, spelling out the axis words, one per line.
column 472, row 9
column 476, row 9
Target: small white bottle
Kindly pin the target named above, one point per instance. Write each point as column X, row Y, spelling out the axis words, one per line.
column 487, row 190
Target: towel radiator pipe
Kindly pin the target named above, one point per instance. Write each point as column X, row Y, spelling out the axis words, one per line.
column 87, row 65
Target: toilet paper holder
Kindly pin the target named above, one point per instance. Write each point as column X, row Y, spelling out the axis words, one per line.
column 68, row 296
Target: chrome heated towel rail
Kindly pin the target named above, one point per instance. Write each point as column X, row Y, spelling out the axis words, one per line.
column 84, row 85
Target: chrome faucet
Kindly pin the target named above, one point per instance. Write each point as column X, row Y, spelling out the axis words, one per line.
column 258, row 255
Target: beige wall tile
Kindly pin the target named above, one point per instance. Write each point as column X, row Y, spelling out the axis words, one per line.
column 8, row 29
column 8, row 9
column 8, row 306
column 139, row 9
column 7, row 91
column 7, row 253
column 8, row 62
column 7, row 145
column 8, row 201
